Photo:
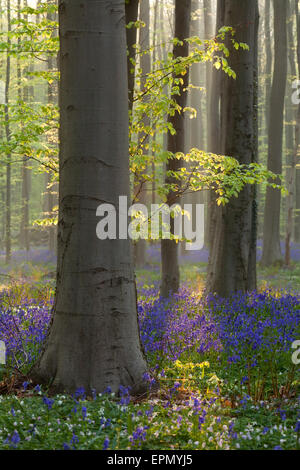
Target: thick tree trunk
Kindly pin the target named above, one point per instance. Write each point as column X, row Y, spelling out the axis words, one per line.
column 232, row 260
column 271, row 243
column 93, row 340
column 176, row 143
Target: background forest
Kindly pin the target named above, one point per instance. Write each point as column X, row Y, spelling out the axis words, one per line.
column 213, row 331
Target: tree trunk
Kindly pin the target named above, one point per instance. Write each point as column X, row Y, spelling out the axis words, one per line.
column 290, row 143
column 24, row 227
column 214, row 128
column 8, row 156
column 297, row 156
column 140, row 184
column 271, row 243
column 176, row 143
column 232, row 264
column 131, row 8
column 268, row 50
column 93, row 340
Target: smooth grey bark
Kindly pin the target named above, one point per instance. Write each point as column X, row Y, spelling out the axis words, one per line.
column 271, row 236
column 209, row 32
column 214, row 128
column 194, row 128
column 131, row 9
column 93, row 341
column 145, row 63
column 7, row 133
column 290, row 141
column 176, row 143
column 25, row 171
column 51, row 188
column 297, row 156
column 269, row 60
column 232, row 264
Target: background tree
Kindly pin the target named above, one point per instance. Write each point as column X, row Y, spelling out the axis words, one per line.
column 271, row 236
column 231, row 267
column 176, row 142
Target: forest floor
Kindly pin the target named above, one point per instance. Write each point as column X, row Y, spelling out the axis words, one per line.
column 225, row 369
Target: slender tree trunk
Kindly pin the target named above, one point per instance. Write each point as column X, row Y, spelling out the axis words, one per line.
column 271, row 243
column 7, row 132
column 131, row 8
column 93, row 340
column 297, row 155
column 24, row 227
column 232, row 259
column 51, row 188
column 176, row 143
column 209, row 32
column 140, row 184
column 214, row 128
column 268, row 50
column 290, row 143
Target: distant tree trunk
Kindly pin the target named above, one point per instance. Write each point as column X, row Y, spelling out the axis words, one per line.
column 194, row 128
column 131, row 8
column 93, row 340
column 209, row 32
column 214, row 128
column 140, row 185
column 271, row 243
column 51, row 189
column 7, row 132
column 232, row 264
column 268, row 50
column 176, row 143
column 24, row 227
column 297, row 156
column 290, row 143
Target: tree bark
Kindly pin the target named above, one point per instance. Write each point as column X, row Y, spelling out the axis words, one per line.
column 131, row 9
column 214, row 128
column 297, row 156
column 290, row 142
column 232, row 264
column 145, row 63
column 271, row 242
column 7, row 132
column 93, row 341
column 176, row 143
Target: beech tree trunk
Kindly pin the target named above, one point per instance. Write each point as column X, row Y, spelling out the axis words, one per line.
column 232, row 264
column 176, row 143
column 93, row 341
column 214, row 128
column 290, row 142
column 131, row 9
column 7, row 133
column 271, row 242
column 145, row 62
column 297, row 156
